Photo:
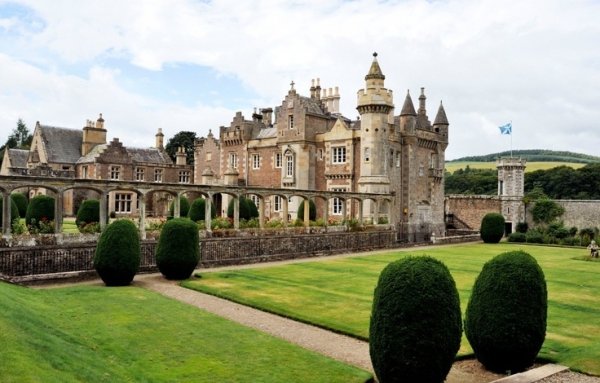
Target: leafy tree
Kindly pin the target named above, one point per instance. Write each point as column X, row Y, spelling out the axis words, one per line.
column 472, row 181
column 545, row 211
column 185, row 139
column 19, row 138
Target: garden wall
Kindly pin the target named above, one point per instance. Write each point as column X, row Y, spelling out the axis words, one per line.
column 579, row 213
column 471, row 209
column 52, row 261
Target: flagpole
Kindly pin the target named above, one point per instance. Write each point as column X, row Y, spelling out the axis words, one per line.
column 511, row 154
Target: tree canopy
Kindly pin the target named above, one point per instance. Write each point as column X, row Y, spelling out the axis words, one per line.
column 20, row 138
column 185, row 139
column 472, row 181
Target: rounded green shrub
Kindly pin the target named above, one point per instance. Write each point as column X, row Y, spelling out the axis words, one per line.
column 14, row 210
column 89, row 211
column 117, row 257
column 534, row 236
column 21, row 202
column 416, row 323
column 522, row 227
column 248, row 209
column 197, row 210
column 184, row 207
column 177, row 252
column 312, row 210
column 517, row 237
column 40, row 208
column 492, row 228
column 506, row 315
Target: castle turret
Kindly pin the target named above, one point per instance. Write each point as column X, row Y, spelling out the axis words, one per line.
column 408, row 116
column 93, row 134
column 440, row 124
column 375, row 103
column 511, row 188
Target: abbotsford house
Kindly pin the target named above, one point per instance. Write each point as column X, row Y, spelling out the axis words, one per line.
column 383, row 167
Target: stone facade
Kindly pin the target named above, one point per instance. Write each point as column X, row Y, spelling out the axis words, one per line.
column 305, row 143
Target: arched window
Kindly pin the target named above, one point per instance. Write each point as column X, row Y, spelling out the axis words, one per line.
column 289, row 163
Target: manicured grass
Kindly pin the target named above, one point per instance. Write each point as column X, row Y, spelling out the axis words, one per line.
column 99, row 334
column 531, row 166
column 337, row 293
column 69, row 225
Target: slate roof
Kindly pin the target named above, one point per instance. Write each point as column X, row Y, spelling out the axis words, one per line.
column 375, row 70
column 408, row 109
column 267, row 133
column 18, row 158
column 62, row 145
column 312, row 106
column 91, row 156
column 149, row 155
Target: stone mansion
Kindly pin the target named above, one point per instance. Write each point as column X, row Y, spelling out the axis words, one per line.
column 303, row 143
column 306, row 143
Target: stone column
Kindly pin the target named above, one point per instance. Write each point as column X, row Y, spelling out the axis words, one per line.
column 326, row 213
column 285, row 211
column 142, row 211
column 344, row 208
column 207, row 212
column 6, row 224
column 307, row 214
column 58, row 212
column 236, row 212
column 103, row 211
column 176, row 203
column 360, row 212
column 261, row 212
column 376, row 213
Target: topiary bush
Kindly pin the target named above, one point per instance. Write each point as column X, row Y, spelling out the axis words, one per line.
column 177, row 252
column 492, row 228
column 21, row 202
column 89, row 212
column 506, row 315
column 312, row 210
column 517, row 237
column 248, row 209
column 534, row 236
column 184, row 207
column 14, row 211
column 40, row 208
column 117, row 257
column 197, row 210
column 416, row 323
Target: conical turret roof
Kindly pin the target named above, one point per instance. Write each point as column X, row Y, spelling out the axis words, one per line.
column 408, row 109
column 440, row 117
column 375, row 70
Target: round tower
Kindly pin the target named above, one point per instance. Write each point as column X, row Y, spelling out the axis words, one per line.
column 375, row 105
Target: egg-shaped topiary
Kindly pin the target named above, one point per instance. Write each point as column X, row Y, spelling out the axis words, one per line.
column 41, row 207
column 184, row 207
column 492, row 228
column 21, row 202
column 117, row 257
column 506, row 315
column 89, row 211
column 312, row 210
column 198, row 210
column 416, row 322
column 178, row 252
column 14, row 210
column 248, row 209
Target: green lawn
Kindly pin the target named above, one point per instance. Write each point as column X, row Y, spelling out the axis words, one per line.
column 98, row 334
column 531, row 166
column 337, row 293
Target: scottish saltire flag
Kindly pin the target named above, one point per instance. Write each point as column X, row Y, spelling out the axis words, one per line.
column 506, row 129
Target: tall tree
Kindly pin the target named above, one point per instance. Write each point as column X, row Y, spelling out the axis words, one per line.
column 185, row 139
column 19, row 138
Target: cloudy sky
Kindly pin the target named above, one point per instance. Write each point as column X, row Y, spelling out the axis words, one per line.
column 189, row 65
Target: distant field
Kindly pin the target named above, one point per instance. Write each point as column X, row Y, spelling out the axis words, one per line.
column 531, row 166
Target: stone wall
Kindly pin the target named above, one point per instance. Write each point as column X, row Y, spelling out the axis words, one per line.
column 578, row 213
column 52, row 260
column 471, row 209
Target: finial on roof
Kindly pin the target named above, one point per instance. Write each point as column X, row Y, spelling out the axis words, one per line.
column 375, row 70
column 375, row 54
column 292, row 85
column 100, row 118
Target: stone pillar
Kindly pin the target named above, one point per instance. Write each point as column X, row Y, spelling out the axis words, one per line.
column 344, row 206
column 326, row 212
column 142, row 211
column 236, row 212
column 285, row 211
column 58, row 212
column 207, row 212
column 6, row 224
column 103, row 208
column 176, row 207
column 375, row 212
column 307, row 213
column 360, row 212
column 261, row 212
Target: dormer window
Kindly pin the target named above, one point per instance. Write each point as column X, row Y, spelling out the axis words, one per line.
column 115, row 173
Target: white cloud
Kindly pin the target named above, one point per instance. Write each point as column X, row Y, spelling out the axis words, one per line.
column 532, row 62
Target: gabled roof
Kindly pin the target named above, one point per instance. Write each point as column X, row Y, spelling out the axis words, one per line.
column 62, row 145
column 18, row 158
column 267, row 133
column 312, row 106
column 440, row 117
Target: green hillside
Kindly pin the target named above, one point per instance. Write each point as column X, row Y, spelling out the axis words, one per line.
column 453, row 166
column 534, row 155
